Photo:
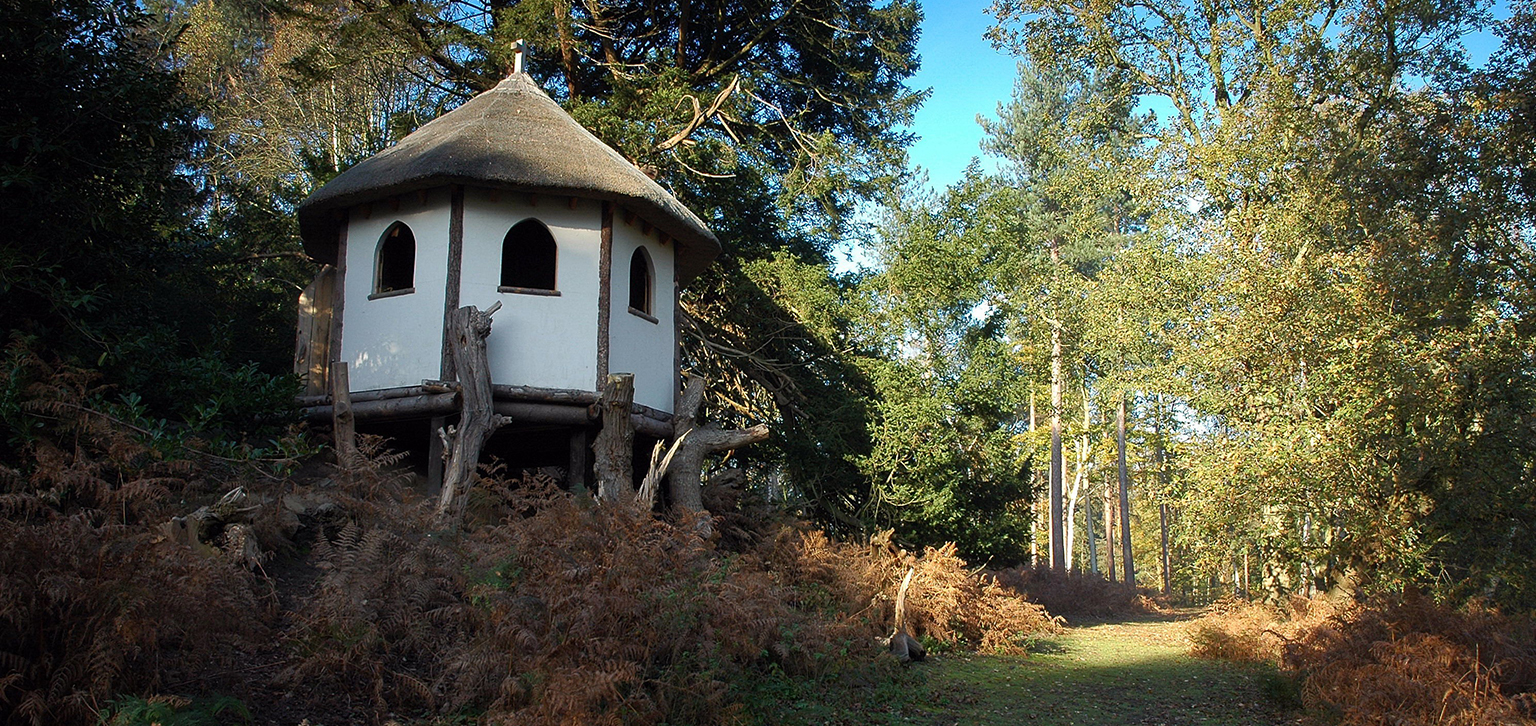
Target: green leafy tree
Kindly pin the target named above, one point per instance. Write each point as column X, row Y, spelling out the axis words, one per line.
column 985, row 291
column 1358, row 349
column 108, row 263
column 949, row 387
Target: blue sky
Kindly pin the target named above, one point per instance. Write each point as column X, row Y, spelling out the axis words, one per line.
column 969, row 77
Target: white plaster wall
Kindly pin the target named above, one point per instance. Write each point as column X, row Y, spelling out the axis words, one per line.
column 637, row 345
column 396, row 341
column 536, row 340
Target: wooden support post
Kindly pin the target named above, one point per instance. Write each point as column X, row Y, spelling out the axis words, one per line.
column 477, row 421
column 614, row 449
column 694, row 442
column 343, row 426
column 435, row 452
column 576, row 469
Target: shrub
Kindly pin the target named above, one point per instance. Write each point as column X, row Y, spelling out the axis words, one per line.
column 93, row 601
column 88, row 611
column 1399, row 662
column 1414, row 662
column 857, row 584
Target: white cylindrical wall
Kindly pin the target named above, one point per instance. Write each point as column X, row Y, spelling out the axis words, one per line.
column 637, row 345
column 548, row 341
column 396, row 340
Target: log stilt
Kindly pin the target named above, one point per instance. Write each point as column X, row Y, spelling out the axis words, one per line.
column 436, row 452
column 343, row 424
column 614, row 449
column 576, row 469
column 478, row 420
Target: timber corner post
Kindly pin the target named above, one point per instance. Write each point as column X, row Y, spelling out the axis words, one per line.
column 343, row 423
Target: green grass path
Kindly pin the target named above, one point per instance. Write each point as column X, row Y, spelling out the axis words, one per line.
column 1134, row 672
column 1110, row 673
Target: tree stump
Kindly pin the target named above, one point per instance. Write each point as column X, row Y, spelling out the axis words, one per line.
column 614, row 449
column 477, row 420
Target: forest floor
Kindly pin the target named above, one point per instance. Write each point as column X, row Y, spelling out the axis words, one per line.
column 1120, row 672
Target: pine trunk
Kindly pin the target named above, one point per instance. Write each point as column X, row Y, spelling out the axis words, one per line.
column 1058, row 552
column 1125, row 497
column 1109, row 528
column 1162, row 509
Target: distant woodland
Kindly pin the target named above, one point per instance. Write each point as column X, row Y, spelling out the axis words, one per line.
column 1249, row 302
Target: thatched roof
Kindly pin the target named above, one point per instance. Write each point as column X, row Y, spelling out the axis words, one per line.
column 513, row 136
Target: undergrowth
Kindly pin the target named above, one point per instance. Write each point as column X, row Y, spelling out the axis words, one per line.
column 93, row 601
column 569, row 612
column 545, row 608
column 1403, row 661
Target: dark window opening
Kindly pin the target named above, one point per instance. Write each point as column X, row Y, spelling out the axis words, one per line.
column 395, row 269
column 640, row 281
column 528, row 257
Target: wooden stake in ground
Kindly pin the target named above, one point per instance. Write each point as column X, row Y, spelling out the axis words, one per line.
column 903, row 645
column 694, row 442
column 614, row 449
column 477, row 420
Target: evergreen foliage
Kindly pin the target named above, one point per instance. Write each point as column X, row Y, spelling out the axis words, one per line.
column 109, row 260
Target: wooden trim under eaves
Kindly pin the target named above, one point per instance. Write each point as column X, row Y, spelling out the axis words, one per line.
column 340, row 293
column 677, row 343
column 604, row 293
column 455, row 272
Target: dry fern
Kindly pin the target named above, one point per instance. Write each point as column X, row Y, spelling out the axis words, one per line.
column 1404, row 662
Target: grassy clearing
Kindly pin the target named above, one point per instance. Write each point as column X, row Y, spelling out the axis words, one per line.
column 1109, row 673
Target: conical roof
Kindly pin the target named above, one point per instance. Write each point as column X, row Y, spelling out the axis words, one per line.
column 513, row 136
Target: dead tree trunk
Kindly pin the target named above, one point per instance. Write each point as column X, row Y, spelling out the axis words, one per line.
column 343, row 424
column 614, row 449
column 694, row 442
column 477, row 420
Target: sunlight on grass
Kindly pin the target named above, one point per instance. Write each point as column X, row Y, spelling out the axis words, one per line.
column 1111, row 673
column 1105, row 674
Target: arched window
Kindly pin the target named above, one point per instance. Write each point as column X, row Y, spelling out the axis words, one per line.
column 640, row 282
column 528, row 258
column 394, row 269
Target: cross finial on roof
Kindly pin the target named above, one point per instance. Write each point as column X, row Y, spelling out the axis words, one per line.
column 519, row 48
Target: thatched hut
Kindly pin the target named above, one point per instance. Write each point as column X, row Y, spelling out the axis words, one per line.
column 505, row 199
